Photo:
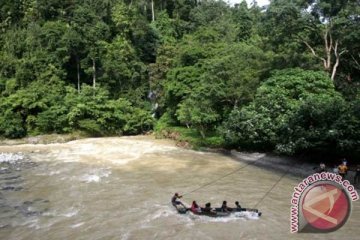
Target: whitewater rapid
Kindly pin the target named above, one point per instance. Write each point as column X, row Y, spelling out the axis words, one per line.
column 120, row 188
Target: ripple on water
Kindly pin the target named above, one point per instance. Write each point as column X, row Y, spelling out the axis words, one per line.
column 11, row 157
column 68, row 213
column 95, row 175
column 15, row 211
column 91, row 201
column 241, row 216
column 166, row 215
column 77, row 225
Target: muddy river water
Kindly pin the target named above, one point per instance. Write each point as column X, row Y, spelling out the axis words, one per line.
column 120, row 188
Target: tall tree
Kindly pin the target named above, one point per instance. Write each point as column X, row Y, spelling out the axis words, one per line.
column 318, row 24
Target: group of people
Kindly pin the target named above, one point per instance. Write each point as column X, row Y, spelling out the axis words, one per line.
column 224, row 208
column 175, row 200
column 342, row 170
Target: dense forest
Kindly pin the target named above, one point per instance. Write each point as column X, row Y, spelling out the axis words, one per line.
column 284, row 78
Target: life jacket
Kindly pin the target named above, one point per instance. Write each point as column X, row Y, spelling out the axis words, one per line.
column 342, row 169
column 195, row 208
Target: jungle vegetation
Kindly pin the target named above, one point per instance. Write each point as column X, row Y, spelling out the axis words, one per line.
column 284, row 77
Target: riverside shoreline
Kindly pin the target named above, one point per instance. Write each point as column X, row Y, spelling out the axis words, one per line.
column 293, row 166
column 42, row 139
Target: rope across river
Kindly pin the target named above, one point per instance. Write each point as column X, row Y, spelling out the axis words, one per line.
column 222, row 177
column 270, row 190
column 235, row 171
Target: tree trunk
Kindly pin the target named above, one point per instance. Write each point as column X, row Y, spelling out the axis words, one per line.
column 94, row 73
column 330, row 50
column 334, row 69
column 235, row 104
column 328, row 47
column 357, row 64
column 152, row 10
column 202, row 131
column 78, row 73
column 337, row 61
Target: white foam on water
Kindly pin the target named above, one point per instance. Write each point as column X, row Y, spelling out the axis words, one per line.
column 54, row 173
column 90, row 178
column 238, row 216
column 125, row 160
column 95, row 175
column 117, row 151
column 11, row 157
column 125, row 236
column 68, row 213
column 3, row 225
column 248, row 156
column 163, row 212
column 160, row 213
column 47, row 173
column 31, row 223
column 247, row 215
column 123, row 150
column 189, row 219
column 77, row 225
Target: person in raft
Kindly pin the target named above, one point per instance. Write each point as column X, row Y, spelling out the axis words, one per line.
column 207, row 208
column 238, row 207
column 195, row 207
column 224, row 207
column 175, row 201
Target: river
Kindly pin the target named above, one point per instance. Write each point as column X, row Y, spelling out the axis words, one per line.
column 120, row 188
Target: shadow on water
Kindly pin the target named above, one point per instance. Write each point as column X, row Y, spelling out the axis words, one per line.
column 298, row 167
